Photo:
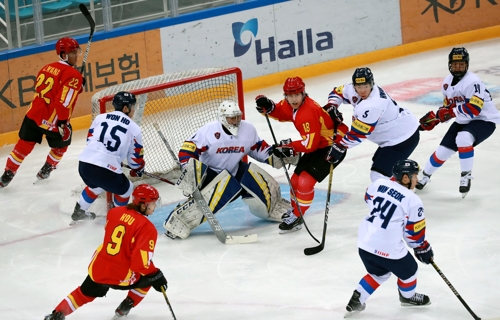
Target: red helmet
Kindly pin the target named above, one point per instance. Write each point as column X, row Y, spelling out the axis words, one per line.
column 145, row 193
column 66, row 45
column 294, row 85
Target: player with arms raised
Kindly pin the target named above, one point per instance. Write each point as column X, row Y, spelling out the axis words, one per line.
column 317, row 130
column 468, row 101
column 378, row 118
column 57, row 87
column 396, row 217
column 124, row 260
column 212, row 162
column 112, row 138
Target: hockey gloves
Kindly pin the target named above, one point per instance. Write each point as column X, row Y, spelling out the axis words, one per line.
column 137, row 172
column 284, row 149
column 64, row 129
column 158, row 281
column 335, row 114
column 428, row 121
column 336, row 154
column 424, row 252
column 446, row 113
column 264, row 104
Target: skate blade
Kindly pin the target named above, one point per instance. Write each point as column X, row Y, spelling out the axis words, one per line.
column 297, row 228
column 406, row 304
column 351, row 313
column 464, row 194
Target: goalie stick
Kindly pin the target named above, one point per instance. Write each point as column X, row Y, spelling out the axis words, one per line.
column 457, row 294
column 150, row 175
column 321, row 246
column 202, row 204
column 91, row 21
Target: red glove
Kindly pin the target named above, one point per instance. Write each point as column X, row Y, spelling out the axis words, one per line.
column 137, row 172
column 446, row 113
column 428, row 121
column 64, row 129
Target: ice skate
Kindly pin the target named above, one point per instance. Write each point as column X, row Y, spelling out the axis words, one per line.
column 45, row 171
column 418, row 299
column 124, row 308
column 354, row 305
column 426, row 178
column 465, row 183
column 55, row 315
column 81, row 215
column 290, row 222
column 6, row 178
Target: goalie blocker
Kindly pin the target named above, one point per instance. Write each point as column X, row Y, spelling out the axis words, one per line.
column 257, row 188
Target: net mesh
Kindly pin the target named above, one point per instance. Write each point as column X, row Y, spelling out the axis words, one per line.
column 180, row 103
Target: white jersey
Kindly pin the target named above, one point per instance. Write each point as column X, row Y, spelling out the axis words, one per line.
column 219, row 150
column 396, row 214
column 112, row 137
column 378, row 118
column 473, row 101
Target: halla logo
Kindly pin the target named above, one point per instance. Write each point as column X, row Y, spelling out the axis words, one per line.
column 304, row 43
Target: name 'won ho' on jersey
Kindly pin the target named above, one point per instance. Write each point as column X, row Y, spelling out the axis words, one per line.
column 112, row 137
column 396, row 214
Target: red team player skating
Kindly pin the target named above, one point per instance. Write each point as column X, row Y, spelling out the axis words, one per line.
column 57, row 87
column 316, row 128
column 124, row 260
column 396, row 217
column 468, row 101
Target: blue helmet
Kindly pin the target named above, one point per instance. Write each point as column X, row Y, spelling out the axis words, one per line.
column 122, row 99
column 402, row 167
column 458, row 54
column 362, row 76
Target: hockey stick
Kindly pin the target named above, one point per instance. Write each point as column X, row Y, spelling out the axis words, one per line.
column 202, row 204
column 168, row 302
column 150, row 175
column 314, row 250
column 456, row 292
column 292, row 192
column 91, row 21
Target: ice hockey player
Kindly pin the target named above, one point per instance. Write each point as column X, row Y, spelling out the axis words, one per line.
column 212, row 162
column 317, row 128
column 57, row 87
column 468, row 101
column 396, row 214
column 112, row 138
column 378, row 118
column 124, row 260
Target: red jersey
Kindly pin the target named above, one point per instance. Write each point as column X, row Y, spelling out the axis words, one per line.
column 313, row 123
column 56, row 91
column 127, row 249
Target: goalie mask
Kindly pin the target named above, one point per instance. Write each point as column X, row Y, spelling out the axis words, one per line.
column 229, row 115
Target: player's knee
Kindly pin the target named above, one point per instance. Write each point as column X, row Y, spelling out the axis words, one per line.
column 92, row 289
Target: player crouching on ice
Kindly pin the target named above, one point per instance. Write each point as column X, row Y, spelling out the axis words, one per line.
column 396, row 214
column 212, row 162
column 123, row 260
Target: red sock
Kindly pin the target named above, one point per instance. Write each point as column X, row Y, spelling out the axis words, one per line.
column 21, row 150
column 73, row 301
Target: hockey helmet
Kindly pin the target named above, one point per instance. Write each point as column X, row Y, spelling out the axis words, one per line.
column 144, row 193
column 294, row 85
column 362, row 76
column 229, row 109
column 67, row 45
column 122, row 99
column 458, row 54
column 402, row 167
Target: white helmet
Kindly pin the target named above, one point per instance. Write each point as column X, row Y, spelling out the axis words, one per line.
column 229, row 109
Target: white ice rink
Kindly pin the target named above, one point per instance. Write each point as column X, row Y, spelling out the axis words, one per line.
column 42, row 259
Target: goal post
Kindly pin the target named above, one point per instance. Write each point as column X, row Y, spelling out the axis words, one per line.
column 180, row 103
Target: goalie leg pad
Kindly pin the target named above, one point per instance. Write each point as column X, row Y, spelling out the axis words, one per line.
column 187, row 216
column 266, row 192
column 192, row 176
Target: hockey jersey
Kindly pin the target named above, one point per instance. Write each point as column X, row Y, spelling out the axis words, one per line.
column 473, row 101
column 113, row 137
column 220, row 150
column 396, row 217
column 127, row 249
column 378, row 118
column 56, row 91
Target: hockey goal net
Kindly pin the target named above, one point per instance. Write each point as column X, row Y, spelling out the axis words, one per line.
column 180, row 103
